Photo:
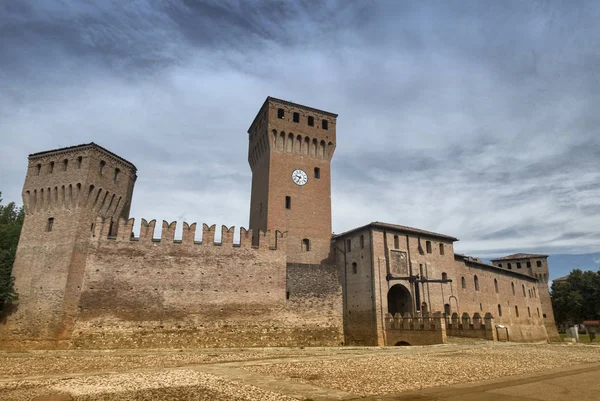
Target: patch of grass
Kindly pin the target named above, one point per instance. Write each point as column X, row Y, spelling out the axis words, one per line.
column 583, row 338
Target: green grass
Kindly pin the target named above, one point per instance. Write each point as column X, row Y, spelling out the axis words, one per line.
column 583, row 338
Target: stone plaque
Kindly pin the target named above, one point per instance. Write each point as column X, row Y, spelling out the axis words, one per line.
column 398, row 263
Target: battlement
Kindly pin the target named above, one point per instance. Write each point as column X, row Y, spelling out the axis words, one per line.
column 105, row 230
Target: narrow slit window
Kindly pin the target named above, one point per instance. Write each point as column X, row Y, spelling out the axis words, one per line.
column 349, row 245
column 428, row 246
column 476, row 282
column 306, row 245
column 516, row 310
column 280, row 114
column 524, row 293
column 102, row 164
column 288, row 202
column 65, row 164
column 116, row 176
column 79, row 160
column 444, row 276
column 38, row 168
column 296, row 117
column 499, row 310
column 49, row 224
column 496, row 285
column 51, row 170
column 362, row 241
column 325, row 124
column 512, row 286
column 317, row 173
column 354, row 268
column 396, row 242
column 441, row 249
column 463, row 283
column 311, row 121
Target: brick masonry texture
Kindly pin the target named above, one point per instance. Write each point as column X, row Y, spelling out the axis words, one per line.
column 84, row 281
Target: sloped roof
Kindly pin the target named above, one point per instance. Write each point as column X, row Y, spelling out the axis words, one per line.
column 83, row 145
column 477, row 262
column 396, row 227
column 516, row 256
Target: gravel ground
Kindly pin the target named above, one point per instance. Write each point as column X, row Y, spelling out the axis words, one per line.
column 215, row 374
column 379, row 375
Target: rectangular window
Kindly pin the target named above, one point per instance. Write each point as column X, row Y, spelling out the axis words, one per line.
column 528, row 264
column 288, row 202
column 49, row 224
column 280, row 114
column 296, row 117
column 538, row 263
column 349, row 245
column 324, row 124
column 362, row 241
column 441, row 249
column 518, row 265
column 317, row 173
column 396, row 242
column 428, row 246
column 510, row 266
column 311, row 121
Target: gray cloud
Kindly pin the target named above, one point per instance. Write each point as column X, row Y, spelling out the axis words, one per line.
column 475, row 119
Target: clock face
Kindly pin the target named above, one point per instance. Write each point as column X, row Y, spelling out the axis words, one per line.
column 299, row 177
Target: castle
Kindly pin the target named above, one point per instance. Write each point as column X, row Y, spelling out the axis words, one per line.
column 84, row 280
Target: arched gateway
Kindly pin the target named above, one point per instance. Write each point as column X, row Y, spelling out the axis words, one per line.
column 399, row 300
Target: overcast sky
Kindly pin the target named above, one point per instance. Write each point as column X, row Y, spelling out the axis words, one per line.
column 475, row 119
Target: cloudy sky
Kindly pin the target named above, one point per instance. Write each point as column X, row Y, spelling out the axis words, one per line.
column 477, row 119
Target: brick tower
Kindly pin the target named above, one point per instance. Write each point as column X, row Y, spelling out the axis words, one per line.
column 290, row 150
column 64, row 191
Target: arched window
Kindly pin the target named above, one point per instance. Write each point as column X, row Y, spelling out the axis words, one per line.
column 321, row 152
column 51, row 167
column 281, row 142
column 290, row 143
column 444, row 276
column 496, row 285
column 79, row 160
column 512, row 286
column 441, row 249
column 102, row 164
column 476, row 281
column 499, row 310
column 463, row 282
column 524, row 293
column 428, row 246
column 65, row 163
column 116, row 176
column 306, row 245
column 306, row 146
column 447, row 309
column 516, row 310
column 354, row 268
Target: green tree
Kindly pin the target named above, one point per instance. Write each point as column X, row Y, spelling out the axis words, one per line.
column 11, row 221
column 577, row 298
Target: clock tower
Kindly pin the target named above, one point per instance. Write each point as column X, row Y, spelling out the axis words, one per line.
column 290, row 150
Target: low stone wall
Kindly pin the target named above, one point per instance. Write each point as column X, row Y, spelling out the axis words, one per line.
column 474, row 327
column 409, row 330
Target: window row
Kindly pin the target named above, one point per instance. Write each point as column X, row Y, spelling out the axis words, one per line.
column 291, row 143
column 528, row 264
column 517, row 311
column 65, row 163
column 463, row 282
column 296, row 118
column 361, row 243
column 428, row 246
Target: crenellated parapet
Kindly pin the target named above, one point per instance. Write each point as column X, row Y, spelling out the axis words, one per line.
column 268, row 240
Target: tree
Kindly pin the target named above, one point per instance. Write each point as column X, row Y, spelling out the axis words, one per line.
column 577, row 298
column 11, row 221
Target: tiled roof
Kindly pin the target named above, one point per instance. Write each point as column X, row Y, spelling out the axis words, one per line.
column 516, row 256
column 83, row 145
column 396, row 227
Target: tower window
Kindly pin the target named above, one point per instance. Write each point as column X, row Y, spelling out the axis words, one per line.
column 444, row 276
column 311, row 121
column 49, row 224
column 510, row 266
column 38, row 168
column 296, row 117
column 102, row 164
column 117, row 171
column 524, row 293
column 396, row 242
column 288, row 202
column 528, row 311
column 516, row 310
column 280, row 114
column 362, row 241
column 79, row 160
column 51, row 167
column 317, row 173
column 324, row 124
column 512, row 286
column 496, row 285
column 354, row 268
column 476, row 282
column 538, row 263
column 428, row 246
column 441, row 249
column 518, row 265
column 65, row 164
column 499, row 310
column 349, row 245
column 463, row 283
column 499, row 264
column 306, row 245
column 528, row 264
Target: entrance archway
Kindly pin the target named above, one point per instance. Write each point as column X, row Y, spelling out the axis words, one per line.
column 399, row 300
